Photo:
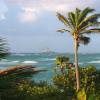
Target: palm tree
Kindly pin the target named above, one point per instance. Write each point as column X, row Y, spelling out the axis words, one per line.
column 3, row 48
column 79, row 24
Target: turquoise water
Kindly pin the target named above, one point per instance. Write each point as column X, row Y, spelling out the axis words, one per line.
column 46, row 61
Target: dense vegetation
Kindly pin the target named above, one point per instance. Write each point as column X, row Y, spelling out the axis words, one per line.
column 89, row 79
column 16, row 87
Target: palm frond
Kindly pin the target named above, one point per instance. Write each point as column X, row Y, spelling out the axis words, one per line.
column 71, row 18
column 87, row 26
column 63, row 30
column 4, row 51
column 94, row 30
column 84, row 40
column 88, row 20
column 63, row 19
column 84, row 13
column 77, row 13
column 20, row 71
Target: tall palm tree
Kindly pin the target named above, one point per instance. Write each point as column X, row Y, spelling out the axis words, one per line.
column 80, row 23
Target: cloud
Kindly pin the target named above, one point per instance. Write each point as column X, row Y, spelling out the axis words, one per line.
column 3, row 10
column 27, row 15
column 2, row 17
column 30, row 9
column 53, row 4
column 44, row 30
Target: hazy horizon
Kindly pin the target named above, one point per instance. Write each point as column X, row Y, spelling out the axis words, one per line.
column 30, row 25
column 55, row 52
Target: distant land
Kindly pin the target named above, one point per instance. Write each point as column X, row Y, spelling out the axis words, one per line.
column 52, row 52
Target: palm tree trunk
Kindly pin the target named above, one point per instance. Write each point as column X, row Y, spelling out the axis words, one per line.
column 76, row 63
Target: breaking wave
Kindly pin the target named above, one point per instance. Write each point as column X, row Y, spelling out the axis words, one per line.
column 48, row 59
column 94, row 62
column 5, row 62
column 29, row 62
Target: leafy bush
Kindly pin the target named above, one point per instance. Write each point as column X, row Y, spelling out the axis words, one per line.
column 89, row 79
column 26, row 90
column 14, row 87
column 39, row 93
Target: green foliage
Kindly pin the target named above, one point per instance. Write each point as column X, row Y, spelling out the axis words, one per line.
column 37, row 92
column 25, row 90
column 14, row 87
column 81, row 95
column 65, row 81
column 18, row 85
column 3, row 48
column 92, row 97
column 61, row 60
column 89, row 79
column 62, row 63
column 11, row 78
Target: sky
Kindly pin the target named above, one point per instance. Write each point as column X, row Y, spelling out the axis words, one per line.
column 31, row 25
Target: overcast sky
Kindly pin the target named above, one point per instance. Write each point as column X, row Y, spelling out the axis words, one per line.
column 30, row 25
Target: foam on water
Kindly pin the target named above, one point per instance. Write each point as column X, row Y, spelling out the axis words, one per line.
column 29, row 62
column 8, row 62
column 53, row 59
column 98, row 58
column 94, row 62
column 4, row 60
column 18, row 54
column 80, row 63
column 48, row 59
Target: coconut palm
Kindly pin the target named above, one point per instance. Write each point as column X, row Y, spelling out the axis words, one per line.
column 3, row 48
column 79, row 24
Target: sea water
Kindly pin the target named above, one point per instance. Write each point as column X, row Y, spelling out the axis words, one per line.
column 46, row 61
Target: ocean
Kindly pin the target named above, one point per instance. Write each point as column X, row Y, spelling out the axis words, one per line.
column 46, row 61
